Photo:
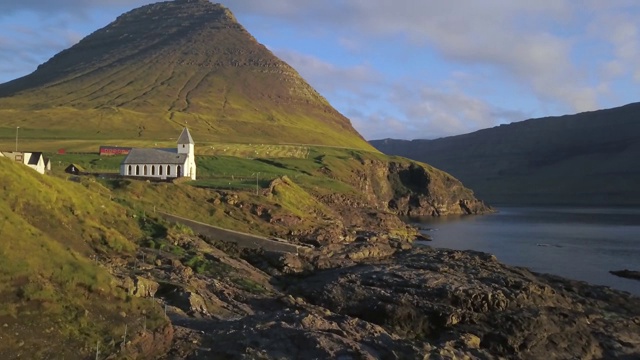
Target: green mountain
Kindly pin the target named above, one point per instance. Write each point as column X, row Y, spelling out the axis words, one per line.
column 584, row 159
column 164, row 65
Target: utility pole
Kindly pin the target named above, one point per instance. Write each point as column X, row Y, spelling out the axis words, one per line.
column 17, row 128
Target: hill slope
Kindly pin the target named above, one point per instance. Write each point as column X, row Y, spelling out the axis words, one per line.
column 160, row 66
column 589, row 158
column 55, row 300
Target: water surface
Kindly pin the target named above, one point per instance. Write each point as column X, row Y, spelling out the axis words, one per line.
column 577, row 243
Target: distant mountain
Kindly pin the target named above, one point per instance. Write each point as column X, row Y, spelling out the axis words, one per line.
column 164, row 65
column 591, row 158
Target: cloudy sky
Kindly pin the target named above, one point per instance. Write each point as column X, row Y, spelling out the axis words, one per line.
column 402, row 68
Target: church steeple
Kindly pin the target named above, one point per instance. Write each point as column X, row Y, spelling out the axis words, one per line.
column 185, row 138
column 186, row 145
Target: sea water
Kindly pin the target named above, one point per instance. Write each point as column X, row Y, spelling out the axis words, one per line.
column 576, row 243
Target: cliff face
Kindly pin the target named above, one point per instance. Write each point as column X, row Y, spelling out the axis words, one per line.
column 413, row 189
column 388, row 189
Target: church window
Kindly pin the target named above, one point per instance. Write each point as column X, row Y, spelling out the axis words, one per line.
column 168, row 170
column 129, row 172
column 160, row 170
column 153, row 170
column 137, row 169
column 145, row 170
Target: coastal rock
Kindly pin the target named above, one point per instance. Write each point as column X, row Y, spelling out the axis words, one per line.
column 469, row 299
column 371, row 297
column 305, row 333
column 629, row 274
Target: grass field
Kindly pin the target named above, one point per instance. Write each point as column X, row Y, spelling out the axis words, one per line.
column 238, row 166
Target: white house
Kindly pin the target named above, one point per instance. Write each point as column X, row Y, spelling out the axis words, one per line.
column 34, row 160
column 162, row 163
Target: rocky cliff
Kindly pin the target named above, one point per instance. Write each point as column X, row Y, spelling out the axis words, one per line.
column 376, row 192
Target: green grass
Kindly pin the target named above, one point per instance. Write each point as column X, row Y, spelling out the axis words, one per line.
column 89, row 162
column 51, row 232
column 204, row 265
column 250, row 285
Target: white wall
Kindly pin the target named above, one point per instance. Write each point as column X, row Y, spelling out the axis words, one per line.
column 39, row 167
column 153, row 170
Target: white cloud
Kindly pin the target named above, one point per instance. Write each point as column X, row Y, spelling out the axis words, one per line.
column 24, row 48
column 380, row 107
column 8, row 8
column 533, row 43
column 436, row 112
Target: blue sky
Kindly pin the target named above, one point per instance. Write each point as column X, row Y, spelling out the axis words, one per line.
column 402, row 68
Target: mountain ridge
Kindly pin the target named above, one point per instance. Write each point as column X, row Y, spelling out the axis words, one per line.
column 581, row 159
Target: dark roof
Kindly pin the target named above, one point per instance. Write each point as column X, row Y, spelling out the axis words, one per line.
column 154, row 156
column 35, row 157
column 185, row 137
column 77, row 167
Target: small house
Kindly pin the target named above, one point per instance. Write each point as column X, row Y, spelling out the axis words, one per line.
column 74, row 169
column 34, row 160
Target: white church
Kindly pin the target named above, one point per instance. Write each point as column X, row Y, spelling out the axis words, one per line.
column 162, row 163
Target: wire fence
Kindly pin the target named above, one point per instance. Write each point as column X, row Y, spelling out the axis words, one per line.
column 139, row 324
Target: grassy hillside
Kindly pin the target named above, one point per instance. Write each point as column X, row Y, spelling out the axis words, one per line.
column 55, row 298
column 164, row 66
column 333, row 190
column 583, row 159
column 69, row 242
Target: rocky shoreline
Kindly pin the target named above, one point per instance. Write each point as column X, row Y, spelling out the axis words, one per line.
column 626, row 273
column 381, row 298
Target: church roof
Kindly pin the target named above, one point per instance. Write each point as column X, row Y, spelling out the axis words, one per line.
column 185, row 137
column 155, row 156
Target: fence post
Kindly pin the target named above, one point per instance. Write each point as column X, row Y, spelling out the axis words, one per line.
column 124, row 338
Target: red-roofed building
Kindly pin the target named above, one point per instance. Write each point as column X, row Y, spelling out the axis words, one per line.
column 114, row 150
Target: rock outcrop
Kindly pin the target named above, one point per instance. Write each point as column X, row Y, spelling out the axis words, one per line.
column 140, row 286
column 413, row 189
column 378, row 298
column 471, row 303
